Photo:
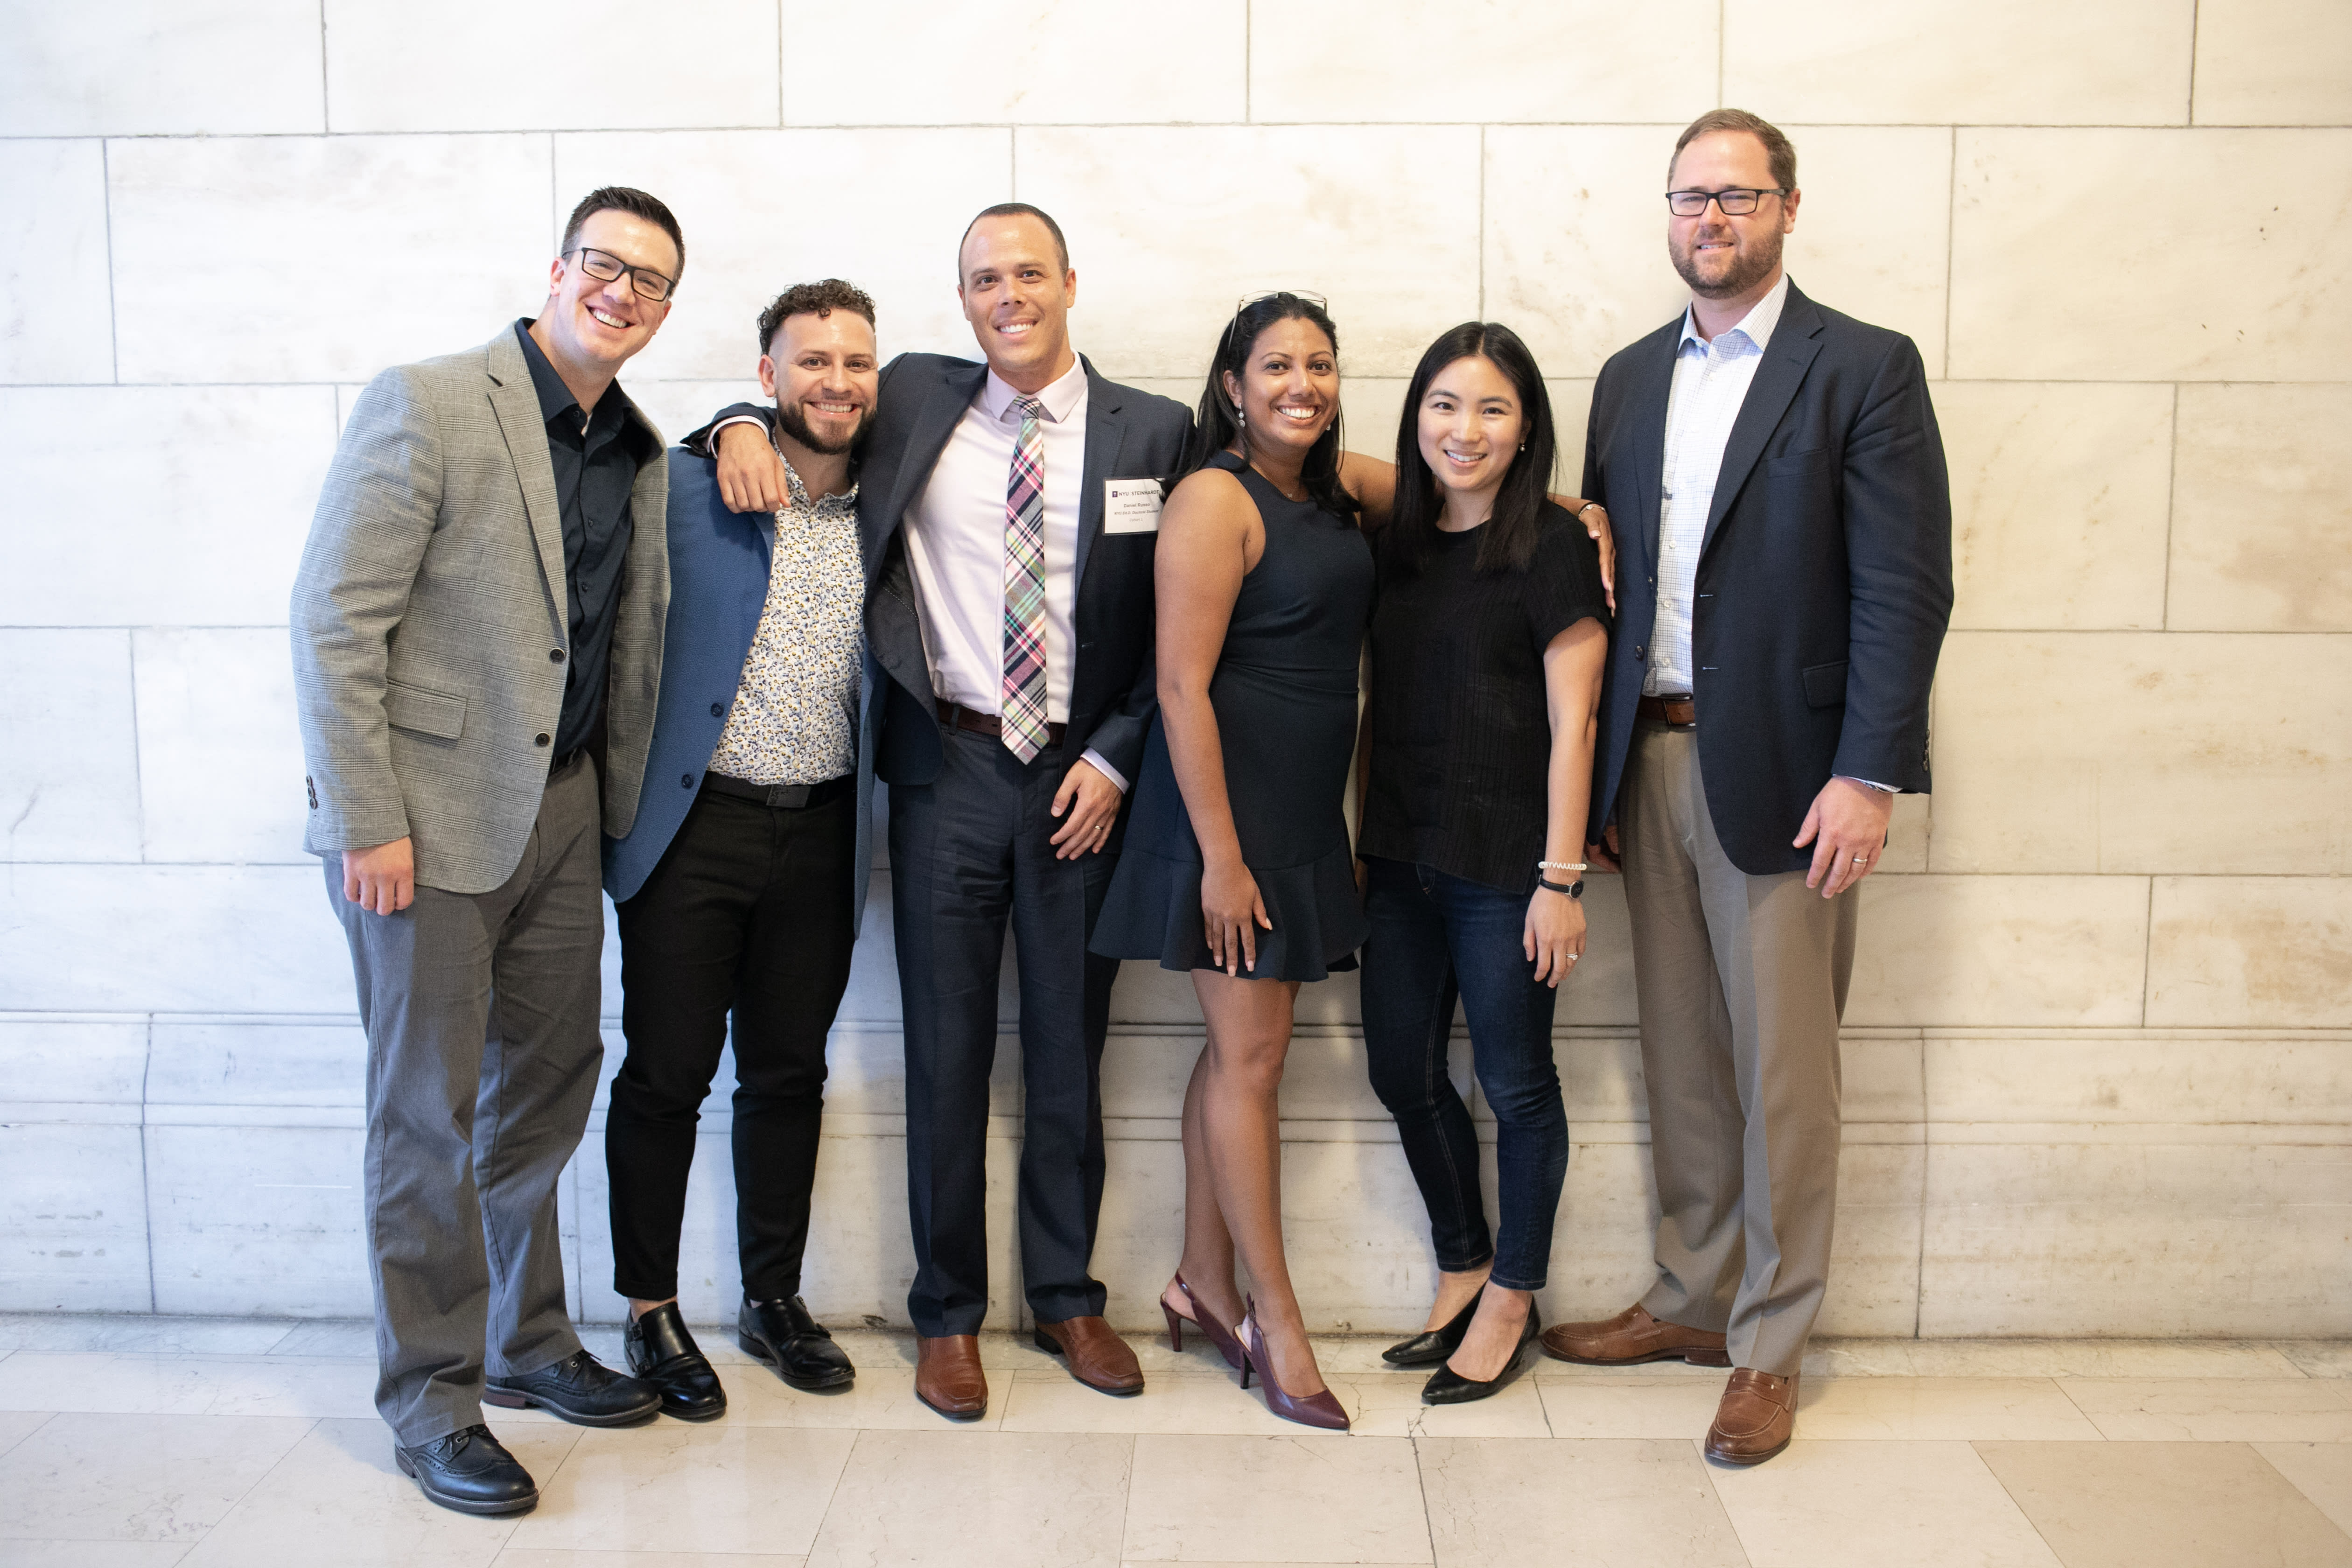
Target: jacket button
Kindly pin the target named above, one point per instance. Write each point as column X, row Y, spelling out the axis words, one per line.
column 544, row 739
column 1640, row 652
column 555, row 656
column 685, row 781
column 717, row 709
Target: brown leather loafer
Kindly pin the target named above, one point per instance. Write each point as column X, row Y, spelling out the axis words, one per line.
column 1756, row 1420
column 948, row 1376
column 1098, row 1357
column 1633, row 1336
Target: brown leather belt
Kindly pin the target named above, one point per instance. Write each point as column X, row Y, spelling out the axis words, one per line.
column 1678, row 711
column 988, row 725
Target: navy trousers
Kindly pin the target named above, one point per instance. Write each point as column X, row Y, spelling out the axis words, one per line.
column 970, row 855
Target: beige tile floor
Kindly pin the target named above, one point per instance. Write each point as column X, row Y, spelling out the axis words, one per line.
column 142, row 1442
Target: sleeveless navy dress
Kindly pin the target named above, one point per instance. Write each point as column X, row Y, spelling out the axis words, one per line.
column 1284, row 696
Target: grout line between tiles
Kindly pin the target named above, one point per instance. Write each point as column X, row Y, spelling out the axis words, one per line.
column 146, row 1183
column 106, row 207
column 1951, row 242
column 2196, row 20
column 325, row 116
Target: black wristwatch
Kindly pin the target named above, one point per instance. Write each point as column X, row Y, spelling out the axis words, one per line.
column 1573, row 890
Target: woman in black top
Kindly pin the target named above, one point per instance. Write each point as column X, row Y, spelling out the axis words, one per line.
column 1487, row 645
column 1237, row 866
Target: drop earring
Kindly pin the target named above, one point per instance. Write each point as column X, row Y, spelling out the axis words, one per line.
column 1241, row 417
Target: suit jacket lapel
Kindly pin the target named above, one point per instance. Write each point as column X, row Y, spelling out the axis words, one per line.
column 515, row 402
column 934, row 421
column 1795, row 342
column 1106, row 429
column 1648, row 400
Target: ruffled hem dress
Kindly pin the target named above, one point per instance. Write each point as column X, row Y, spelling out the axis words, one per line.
column 1284, row 696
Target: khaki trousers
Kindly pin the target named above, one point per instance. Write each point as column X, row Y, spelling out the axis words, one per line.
column 1741, row 981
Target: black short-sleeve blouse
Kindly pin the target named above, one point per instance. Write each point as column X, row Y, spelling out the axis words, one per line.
column 1461, row 738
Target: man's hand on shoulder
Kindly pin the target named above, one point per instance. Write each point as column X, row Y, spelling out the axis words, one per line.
column 382, row 880
column 751, row 470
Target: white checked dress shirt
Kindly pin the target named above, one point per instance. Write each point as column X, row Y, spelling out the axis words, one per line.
column 1711, row 381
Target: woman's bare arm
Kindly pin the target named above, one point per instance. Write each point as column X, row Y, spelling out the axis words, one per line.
column 1573, row 664
column 1209, row 538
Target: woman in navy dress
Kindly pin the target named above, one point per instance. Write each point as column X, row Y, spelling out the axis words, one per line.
column 1237, row 866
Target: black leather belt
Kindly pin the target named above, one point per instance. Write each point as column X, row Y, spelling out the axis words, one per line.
column 787, row 797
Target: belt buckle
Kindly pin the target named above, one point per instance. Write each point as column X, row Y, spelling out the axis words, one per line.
column 793, row 797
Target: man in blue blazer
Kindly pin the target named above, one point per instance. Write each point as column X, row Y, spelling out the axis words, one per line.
column 1776, row 482
column 740, row 886
column 1009, row 517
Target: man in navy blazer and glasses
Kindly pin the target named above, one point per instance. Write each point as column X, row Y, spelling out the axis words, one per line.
column 740, row 886
column 1776, row 482
column 1009, row 608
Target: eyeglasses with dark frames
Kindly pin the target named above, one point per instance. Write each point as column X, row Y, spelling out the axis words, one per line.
column 1736, row 203
column 604, row 267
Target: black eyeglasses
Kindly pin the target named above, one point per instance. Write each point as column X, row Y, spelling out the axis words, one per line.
column 604, row 267
column 1735, row 203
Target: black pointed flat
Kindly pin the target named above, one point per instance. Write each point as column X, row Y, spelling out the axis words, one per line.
column 1432, row 1346
column 1447, row 1386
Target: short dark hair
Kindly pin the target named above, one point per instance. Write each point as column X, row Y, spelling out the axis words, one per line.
column 1507, row 542
column 626, row 199
column 822, row 298
column 1214, row 428
column 1015, row 209
column 1778, row 148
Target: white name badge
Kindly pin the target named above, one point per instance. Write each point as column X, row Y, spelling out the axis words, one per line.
column 1130, row 506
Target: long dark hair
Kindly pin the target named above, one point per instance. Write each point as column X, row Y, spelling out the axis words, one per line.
column 1215, row 429
column 1507, row 542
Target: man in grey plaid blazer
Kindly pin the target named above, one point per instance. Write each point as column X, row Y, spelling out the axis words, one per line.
column 477, row 637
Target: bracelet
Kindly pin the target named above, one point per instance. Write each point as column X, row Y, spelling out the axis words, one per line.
column 1561, row 866
column 1573, row 890
column 1588, row 506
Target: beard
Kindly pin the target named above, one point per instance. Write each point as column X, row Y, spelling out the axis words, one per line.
column 1751, row 265
column 789, row 418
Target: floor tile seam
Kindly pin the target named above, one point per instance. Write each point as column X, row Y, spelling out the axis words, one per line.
column 238, row 1502
column 1730, row 1522
column 2014, row 1501
column 833, row 1493
column 25, row 1435
column 2264, row 1458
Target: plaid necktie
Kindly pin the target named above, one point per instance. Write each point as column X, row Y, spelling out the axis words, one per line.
column 1024, row 694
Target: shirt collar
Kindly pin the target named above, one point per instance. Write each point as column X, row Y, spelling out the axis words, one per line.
column 1061, row 397
column 1756, row 326
column 555, row 398
column 797, row 497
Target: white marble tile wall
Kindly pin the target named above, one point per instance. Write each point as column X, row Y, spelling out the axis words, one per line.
column 2099, row 1070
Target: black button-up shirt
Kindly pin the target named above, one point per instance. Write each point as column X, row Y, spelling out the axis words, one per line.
column 597, row 462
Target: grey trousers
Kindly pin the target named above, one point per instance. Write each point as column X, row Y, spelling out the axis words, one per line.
column 1741, row 981
column 483, row 1051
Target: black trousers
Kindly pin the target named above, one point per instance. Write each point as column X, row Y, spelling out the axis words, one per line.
column 748, row 913
column 969, row 855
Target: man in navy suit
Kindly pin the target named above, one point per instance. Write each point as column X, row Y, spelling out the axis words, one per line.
column 740, row 886
column 1009, row 523
column 1776, row 482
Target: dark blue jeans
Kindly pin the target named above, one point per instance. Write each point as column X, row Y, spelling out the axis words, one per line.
column 1434, row 938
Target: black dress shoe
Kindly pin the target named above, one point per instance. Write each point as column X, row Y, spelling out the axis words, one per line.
column 782, row 1334
column 1447, row 1386
column 579, row 1388
column 664, row 1357
column 1431, row 1346
column 470, row 1471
